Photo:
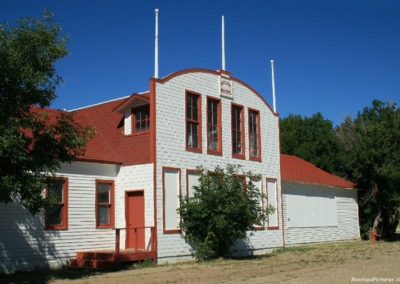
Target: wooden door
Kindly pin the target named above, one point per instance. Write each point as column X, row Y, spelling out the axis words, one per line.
column 135, row 231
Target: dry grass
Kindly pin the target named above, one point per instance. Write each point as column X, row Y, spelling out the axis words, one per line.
column 323, row 263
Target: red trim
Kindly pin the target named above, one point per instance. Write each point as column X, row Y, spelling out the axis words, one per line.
column 112, row 205
column 124, row 104
column 153, row 156
column 198, row 122
column 219, row 126
column 277, row 207
column 64, row 210
column 258, row 158
column 280, row 184
column 170, row 231
column 243, row 146
column 188, row 171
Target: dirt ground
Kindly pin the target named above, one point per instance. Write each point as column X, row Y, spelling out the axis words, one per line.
column 347, row 262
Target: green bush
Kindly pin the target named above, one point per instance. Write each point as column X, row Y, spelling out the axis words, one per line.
column 224, row 206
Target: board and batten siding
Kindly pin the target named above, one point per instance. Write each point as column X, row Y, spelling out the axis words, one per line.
column 329, row 214
column 26, row 245
column 171, row 151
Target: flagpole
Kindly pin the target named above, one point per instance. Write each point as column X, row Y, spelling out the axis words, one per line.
column 223, row 42
column 273, row 85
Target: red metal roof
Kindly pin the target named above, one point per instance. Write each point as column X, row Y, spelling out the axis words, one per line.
column 110, row 144
column 296, row 169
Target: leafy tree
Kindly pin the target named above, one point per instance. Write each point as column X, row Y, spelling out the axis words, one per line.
column 33, row 141
column 221, row 211
column 311, row 138
column 372, row 159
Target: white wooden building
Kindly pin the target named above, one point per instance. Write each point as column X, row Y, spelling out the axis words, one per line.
column 125, row 190
column 317, row 206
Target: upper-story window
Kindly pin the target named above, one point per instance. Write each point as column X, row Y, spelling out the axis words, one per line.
column 254, row 134
column 193, row 122
column 56, row 215
column 141, row 118
column 214, row 142
column 237, row 128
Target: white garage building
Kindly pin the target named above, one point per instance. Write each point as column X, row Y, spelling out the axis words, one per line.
column 317, row 206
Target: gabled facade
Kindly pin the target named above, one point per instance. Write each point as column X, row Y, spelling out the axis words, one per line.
column 125, row 190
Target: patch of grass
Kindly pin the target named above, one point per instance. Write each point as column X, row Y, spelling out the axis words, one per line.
column 144, row 264
column 292, row 249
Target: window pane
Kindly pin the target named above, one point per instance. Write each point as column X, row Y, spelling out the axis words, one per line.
column 253, row 146
column 237, row 130
column 54, row 214
column 103, row 214
column 212, row 138
column 56, row 191
column 103, row 193
column 138, row 115
column 239, row 144
column 192, row 136
column 253, row 133
column 137, row 126
column 142, row 118
column 192, row 107
column 212, row 125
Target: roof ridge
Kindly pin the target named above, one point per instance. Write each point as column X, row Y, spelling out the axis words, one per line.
column 97, row 104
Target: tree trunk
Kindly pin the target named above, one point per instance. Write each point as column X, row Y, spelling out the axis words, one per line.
column 376, row 227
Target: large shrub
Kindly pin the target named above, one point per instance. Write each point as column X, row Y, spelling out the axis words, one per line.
column 224, row 206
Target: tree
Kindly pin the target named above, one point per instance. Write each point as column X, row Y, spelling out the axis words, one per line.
column 311, row 138
column 224, row 207
column 34, row 141
column 372, row 159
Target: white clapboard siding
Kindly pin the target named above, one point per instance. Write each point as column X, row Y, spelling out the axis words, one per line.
column 345, row 211
column 170, row 133
column 25, row 245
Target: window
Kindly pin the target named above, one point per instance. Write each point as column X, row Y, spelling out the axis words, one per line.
column 171, row 193
column 254, row 135
column 193, row 122
column 56, row 215
column 192, row 180
column 214, row 143
column 141, row 118
column 237, row 131
column 257, row 182
column 104, row 204
column 272, row 200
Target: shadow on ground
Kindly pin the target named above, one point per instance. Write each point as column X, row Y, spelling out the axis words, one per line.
column 45, row 276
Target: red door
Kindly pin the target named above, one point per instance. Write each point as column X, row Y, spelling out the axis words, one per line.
column 135, row 230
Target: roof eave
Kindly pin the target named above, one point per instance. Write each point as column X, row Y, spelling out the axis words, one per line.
column 320, row 184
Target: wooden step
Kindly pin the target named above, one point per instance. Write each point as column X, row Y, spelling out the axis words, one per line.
column 109, row 259
column 96, row 255
column 92, row 264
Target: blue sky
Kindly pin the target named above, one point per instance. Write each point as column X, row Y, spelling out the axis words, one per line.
column 332, row 57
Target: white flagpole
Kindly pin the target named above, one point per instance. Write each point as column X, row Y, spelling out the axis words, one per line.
column 223, row 42
column 273, row 85
column 156, row 47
